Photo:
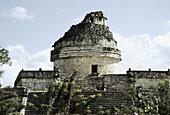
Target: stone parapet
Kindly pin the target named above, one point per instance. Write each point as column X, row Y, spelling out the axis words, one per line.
column 147, row 74
column 36, row 80
column 146, row 79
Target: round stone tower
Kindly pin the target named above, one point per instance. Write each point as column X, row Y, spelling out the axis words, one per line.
column 88, row 47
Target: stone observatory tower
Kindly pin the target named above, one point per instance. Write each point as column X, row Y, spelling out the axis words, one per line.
column 88, row 47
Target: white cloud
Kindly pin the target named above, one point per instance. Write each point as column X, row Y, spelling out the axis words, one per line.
column 162, row 40
column 21, row 59
column 19, row 13
column 169, row 23
column 141, row 52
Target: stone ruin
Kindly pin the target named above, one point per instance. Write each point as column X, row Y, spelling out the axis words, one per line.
column 90, row 48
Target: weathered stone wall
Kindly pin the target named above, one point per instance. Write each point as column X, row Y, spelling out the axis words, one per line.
column 84, row 64
column 39, row 80
column 116, row 82
column 108, row 82
column 36, row 84
column 146, row 79
column 36, row 80
column 146, row 83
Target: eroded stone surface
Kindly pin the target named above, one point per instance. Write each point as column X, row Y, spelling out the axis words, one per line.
column 90, row 48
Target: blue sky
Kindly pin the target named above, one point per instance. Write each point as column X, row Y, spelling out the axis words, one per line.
column 28, row 29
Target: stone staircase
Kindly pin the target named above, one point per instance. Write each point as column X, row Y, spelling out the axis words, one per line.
column 107, row 101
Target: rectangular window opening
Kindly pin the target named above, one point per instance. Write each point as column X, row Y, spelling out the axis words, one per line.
column 94, row 69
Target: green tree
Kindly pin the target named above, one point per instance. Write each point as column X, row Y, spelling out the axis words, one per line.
column 156, row 103
column 163, row 94
column 4, row 59
column 146, row 105
column 9, row 100
column 65, row 98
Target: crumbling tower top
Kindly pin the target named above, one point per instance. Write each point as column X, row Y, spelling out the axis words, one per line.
column 95, row 17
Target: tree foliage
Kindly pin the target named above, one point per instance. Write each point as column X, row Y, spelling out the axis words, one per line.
column 4, row 58
column 155, row 103
column 65, row 98
column 9, row 102
column 163, row 94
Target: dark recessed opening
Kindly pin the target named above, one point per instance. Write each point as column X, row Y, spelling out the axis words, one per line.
column 100, row 18
column 91, row 19
column 94, row 69
column 100, row 85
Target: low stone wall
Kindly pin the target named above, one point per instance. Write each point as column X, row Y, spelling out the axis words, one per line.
column 146, row 79
column 36, row 80
column 35, row 84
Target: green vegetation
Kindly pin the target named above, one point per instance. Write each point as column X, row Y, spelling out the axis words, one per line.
column 156, row 103
column 64, row 98
column 4, row 59
column 9, row 100
column 163, row 94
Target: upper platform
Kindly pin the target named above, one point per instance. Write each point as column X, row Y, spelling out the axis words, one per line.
column 91, row 37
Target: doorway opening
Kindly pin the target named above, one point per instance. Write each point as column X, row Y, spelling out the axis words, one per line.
column 94, row 69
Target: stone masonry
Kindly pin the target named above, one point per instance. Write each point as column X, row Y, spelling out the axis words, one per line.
column 90, row 48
